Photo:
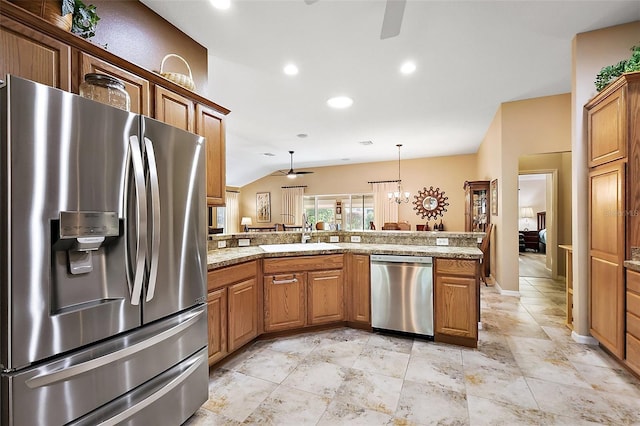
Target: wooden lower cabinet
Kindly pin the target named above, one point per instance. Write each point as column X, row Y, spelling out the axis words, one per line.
column 325, row 297
column 359, row 289
column 217, row 321
column 606, row 256
column 242, row 313
column 284, row 301
column 632, row 357
column 456, row 301
column 234, row 306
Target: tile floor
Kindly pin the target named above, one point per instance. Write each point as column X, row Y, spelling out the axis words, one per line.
column 526, row 370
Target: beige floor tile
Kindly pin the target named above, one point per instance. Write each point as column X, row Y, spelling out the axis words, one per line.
column 422, row 403
column 339, row 413
column 343, row 353
column 435, row 371
column 320, row 378
column 382, row 361
column 269, row 365
column 288, row 406
column 371, row 391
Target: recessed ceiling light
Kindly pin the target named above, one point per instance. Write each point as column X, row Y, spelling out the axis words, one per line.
column 290, row 69
column 269, row 154
column 345, row 159
column 340, row 102
column 302, row 135
column 365, row 143
column 408, row 67
column 221, row 4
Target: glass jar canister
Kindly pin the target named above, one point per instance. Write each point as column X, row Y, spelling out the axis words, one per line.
column 105, row 89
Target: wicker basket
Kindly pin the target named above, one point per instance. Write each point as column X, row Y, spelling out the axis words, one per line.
column 49, row 10
column 183, row 80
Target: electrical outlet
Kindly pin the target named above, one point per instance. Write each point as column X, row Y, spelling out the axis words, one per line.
column 222, row 244
column 334, row 239
column 442, row 241
column 479, row 240
column 355, row 238
column 244, row 242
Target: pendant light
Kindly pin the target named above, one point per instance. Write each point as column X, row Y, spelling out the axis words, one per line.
column 399, row 196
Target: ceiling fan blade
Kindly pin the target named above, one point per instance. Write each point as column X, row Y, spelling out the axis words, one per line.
column 393, row 12
column 303, row 173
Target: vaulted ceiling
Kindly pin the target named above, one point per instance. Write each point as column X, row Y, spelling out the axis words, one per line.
column 470, row 56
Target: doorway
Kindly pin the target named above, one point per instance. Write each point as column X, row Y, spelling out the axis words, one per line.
column 535, row 207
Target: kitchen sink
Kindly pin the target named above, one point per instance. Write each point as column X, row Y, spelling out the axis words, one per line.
column 277, row 248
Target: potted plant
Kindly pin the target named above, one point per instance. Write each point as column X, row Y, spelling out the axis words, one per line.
column 611, row 72
column 70, row 15
column 85, row 18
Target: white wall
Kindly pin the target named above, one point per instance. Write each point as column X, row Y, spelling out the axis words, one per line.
column 531, row 193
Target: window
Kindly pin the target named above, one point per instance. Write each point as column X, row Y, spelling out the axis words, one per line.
column 356, row 212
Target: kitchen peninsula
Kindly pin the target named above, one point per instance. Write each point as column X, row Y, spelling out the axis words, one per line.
column 293, row 287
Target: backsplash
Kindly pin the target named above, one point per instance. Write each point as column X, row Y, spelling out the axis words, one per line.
column 455, row 239
column 635, row 253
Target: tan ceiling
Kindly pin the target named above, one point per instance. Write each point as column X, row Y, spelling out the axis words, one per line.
column 470, row 55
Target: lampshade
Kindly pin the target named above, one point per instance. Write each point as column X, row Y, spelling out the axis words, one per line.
column 526, row 212
column 245, row 221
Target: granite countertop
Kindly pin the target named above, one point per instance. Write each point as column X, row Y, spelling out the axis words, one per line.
column 634, row 265
column 231, row 256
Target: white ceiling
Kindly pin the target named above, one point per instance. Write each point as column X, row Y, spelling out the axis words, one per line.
column 470, row 55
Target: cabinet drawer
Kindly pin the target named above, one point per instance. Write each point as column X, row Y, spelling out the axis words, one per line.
column 633, row 353
column 456, row 267
column 633, row 325
column 633, row 281
column 302, row 263
column 633, row 303
column 231, row 274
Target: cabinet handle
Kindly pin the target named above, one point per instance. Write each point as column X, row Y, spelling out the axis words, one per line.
column 289, row 281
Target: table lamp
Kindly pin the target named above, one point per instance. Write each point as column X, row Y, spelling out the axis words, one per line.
column 246, row 222
column 526, row 213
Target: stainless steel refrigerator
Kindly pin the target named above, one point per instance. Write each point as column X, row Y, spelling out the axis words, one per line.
column 103, row 244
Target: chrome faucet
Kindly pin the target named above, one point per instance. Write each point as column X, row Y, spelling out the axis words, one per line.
column 304, row 237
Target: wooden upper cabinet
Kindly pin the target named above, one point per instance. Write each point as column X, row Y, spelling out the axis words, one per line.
column 29, row 54
column 210, row 124
column 606, row 126
column 136, row 86
column 174, row 109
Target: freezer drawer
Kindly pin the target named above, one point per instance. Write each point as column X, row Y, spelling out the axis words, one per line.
column 167, row 400
column 64, row 389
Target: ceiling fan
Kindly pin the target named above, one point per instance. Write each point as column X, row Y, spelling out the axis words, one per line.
column 392, row 21
column 291, row 174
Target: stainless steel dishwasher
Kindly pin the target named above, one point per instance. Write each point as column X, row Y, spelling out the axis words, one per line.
column 402, row 293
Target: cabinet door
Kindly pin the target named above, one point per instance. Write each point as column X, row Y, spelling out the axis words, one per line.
column 284, row 301
column 137, row 87
column 359, row 289
column 325, row 296
column 29, row 54
column 243, row 313
column 210, row 124
column 174, row 109
column 217, row 321
column 606, row 129
column 456, row 312
column 606, row 256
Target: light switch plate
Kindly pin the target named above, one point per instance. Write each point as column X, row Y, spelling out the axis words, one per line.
column 244, row 242
column 479, row 240
column 334, row 239
column 355, row 238
column 222, row 244
column 442, row 241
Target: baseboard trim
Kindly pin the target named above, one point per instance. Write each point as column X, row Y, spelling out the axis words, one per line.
column 584, row 340
column 512, row 293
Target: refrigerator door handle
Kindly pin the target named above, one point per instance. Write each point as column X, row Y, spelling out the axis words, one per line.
column 155, row 221
column 164, row 390
column 49, row 378
column 141, row 216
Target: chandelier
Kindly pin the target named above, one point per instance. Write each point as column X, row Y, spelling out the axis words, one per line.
column 399, row 196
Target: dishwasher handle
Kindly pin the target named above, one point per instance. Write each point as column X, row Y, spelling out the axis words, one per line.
column 289, row 281
column 388, row 258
